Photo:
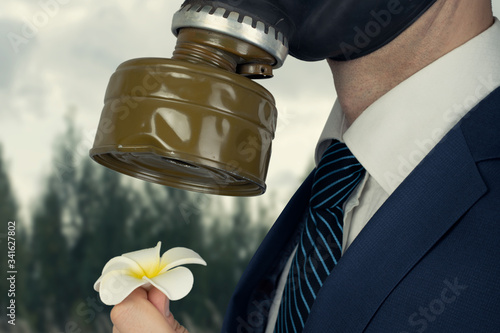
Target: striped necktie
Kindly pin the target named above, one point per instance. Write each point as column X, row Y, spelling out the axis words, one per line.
column 320, row 245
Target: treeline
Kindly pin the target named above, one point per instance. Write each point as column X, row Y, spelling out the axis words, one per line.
column 88, row 214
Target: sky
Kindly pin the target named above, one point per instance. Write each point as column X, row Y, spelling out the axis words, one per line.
column 57, row 55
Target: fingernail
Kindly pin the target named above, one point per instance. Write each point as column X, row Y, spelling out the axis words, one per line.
column 167, row 308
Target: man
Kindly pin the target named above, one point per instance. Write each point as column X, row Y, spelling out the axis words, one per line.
column 420, row 243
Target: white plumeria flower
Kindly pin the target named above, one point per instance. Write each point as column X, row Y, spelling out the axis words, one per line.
column 144, row 268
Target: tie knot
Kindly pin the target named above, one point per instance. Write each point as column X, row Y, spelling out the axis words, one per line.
column 336, row 176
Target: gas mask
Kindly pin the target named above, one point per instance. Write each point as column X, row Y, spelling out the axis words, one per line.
column 198, row 121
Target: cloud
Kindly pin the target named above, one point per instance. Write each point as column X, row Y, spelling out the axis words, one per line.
column 8, row 61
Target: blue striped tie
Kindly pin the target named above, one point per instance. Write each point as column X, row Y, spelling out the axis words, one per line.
column 320, row 246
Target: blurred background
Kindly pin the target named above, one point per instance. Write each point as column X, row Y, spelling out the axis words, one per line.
column 72, row 215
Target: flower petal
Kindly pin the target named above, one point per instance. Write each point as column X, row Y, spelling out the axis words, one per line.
column 120, row 264
column 148, row 259
column 176, row 283
column 115, row 286
column 179, row 256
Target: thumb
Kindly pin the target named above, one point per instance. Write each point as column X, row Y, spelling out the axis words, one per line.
column 160, row 301
column 162, row 304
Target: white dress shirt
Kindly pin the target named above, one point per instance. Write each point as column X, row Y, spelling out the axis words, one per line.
column 394, row 134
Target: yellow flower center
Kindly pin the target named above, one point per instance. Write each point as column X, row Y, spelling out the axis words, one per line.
column 150, row 271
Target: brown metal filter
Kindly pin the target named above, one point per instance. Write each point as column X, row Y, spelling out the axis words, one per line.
column 188, row 125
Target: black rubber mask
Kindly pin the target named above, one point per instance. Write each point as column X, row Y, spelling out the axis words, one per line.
column 337, row 29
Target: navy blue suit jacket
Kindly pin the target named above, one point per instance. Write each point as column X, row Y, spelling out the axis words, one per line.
column 427, row 261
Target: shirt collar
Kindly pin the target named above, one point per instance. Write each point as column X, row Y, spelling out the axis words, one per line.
column 393, row 135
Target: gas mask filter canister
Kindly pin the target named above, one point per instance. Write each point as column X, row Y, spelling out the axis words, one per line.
column 196, row 121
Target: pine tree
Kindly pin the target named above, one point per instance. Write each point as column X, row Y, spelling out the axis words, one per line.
column 8, row 214
column 8, row 204
column 54, row 222
column 50, row 266
column 104, row 207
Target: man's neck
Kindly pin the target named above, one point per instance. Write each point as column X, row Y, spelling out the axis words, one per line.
column 444, row 27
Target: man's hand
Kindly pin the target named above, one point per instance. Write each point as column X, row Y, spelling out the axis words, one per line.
column 144, row 311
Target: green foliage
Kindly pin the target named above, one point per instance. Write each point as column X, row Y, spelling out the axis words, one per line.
column 8, row 212
column 50, row 263
column 8, row 204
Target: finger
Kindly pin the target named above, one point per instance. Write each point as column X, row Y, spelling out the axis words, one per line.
column 160, row 301
column 115, row 330
column 137, row 314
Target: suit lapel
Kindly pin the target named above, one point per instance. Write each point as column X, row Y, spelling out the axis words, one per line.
column 256, row 289
column 421, row 210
